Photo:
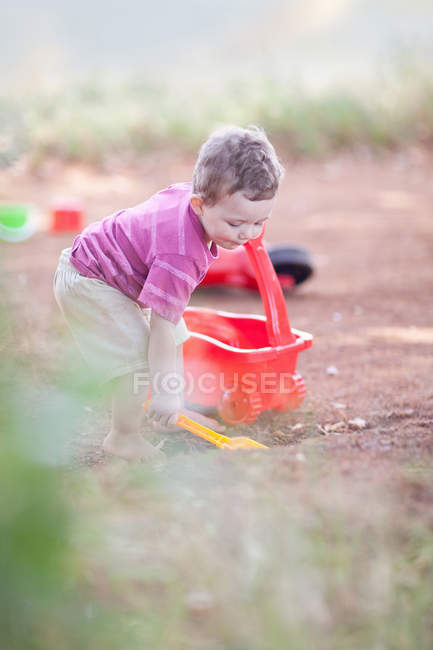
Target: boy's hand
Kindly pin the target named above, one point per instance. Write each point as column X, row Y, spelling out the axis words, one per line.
column 164, row 409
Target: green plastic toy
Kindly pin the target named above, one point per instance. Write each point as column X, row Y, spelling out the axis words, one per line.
column 18, row 221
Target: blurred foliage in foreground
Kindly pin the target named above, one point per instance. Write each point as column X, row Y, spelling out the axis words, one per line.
column 216, row 552
column 46, row 602
column 95, row 120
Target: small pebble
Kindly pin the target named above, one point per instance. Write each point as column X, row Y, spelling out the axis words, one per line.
column 337, row 426
column 332, row 370
column 338, row 405
column 357, row 423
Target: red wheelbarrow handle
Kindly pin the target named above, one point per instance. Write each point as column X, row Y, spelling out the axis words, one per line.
column 277, row 321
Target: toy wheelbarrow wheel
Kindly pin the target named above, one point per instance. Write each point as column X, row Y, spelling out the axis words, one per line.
column 236, row 406
column 294, row 394
column 291, row 261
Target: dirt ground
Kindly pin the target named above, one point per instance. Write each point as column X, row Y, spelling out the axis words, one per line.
column 368, row 222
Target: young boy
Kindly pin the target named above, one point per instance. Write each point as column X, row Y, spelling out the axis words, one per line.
column 124, row 284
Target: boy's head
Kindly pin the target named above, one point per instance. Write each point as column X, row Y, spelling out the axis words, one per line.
column 235, row 180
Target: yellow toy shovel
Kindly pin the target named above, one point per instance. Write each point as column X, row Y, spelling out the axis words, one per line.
column 224, row 442
column 239, row 442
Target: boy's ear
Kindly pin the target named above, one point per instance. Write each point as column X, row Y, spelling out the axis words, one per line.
column 197, row 204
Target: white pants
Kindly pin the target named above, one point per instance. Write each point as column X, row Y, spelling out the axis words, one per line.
column 111, row 330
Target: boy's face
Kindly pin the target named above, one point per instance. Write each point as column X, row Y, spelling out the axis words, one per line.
column 233, row 220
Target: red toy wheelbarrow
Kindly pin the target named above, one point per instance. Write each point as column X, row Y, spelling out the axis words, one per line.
column 243, row 364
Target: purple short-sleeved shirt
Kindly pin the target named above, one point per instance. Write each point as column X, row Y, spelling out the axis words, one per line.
column 155, row 253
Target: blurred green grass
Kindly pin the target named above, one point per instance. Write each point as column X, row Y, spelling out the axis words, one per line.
column 46, row 601
column 218, row 551
column 95, row 120
column 253, row 551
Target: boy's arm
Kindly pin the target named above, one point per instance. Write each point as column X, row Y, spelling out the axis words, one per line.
column 167, row 384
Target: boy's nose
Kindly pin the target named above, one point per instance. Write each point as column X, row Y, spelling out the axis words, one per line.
column 248, row 233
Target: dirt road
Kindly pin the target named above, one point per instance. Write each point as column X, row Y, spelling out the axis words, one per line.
column 368, row 223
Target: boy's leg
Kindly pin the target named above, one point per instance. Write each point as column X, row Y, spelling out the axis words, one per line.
column 109, row 343
column 124, row 438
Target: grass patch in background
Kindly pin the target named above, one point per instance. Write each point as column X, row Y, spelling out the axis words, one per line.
column 95, row 121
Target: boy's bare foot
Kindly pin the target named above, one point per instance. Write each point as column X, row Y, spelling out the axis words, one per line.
column 133, row 447
column 206, row 421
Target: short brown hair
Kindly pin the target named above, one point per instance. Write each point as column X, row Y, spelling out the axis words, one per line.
column 234, row 159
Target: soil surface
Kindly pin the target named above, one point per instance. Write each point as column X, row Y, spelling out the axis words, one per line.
column 368, row 223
